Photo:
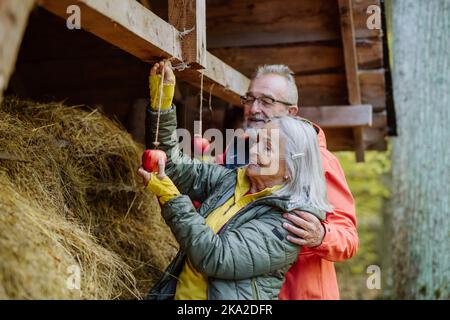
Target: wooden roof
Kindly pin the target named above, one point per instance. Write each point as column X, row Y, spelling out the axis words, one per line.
column 314, row 38
column 339, row 63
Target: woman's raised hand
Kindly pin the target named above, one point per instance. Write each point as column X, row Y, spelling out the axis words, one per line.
column 168, row 88
column 169, row 76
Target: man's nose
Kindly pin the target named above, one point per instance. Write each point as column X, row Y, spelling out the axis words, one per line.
column 254, row 108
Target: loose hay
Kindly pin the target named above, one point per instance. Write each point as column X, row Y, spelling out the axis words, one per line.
column 73, row 173
column 45, row 256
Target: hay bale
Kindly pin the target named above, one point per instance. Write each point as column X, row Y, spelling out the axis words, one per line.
column 38, row 250
column 80, row 166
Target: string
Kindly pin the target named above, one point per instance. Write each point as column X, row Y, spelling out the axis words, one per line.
column 200, row 131
column 181, row 66
column 161, row 87
column 185, row 32
column 210, row 94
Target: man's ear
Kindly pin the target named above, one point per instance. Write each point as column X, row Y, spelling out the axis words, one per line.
column 293, row 110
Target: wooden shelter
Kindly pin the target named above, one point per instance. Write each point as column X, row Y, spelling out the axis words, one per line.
column 340, row 64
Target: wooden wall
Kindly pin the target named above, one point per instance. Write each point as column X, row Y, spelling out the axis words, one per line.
column 57, row 63
column 305, row 35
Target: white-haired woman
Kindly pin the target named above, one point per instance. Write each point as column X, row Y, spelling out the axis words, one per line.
column 234, row 245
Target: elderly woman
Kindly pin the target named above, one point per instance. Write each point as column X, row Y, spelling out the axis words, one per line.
column 234, row 245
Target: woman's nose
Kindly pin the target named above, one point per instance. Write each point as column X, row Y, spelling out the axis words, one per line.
column 263, row 159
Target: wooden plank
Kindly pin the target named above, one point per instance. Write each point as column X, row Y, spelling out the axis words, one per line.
column 369, row 53
column 247, row 23
column 339, row 116
column 373, row 89
column 304, row 58
column 375, row 136
column 350, row 57
column 379, row 120
column 237, row 23
column 332, row 117
column 341, row 139
column 360, row 16
column 220, row 79
column 375, row 139
column 309, row 59
column 136, row 30
column 351, row 68
column 125, row 24
column 189, row 17
column 322, row 89
column 13, row 21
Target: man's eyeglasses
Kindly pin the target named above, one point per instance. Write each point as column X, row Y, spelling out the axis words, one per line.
column 264, row 100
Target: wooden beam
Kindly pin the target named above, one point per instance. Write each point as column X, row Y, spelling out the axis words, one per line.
column 219, row 79
column 146, row 3
column 351, row 68
column 339, row 116
column 189, row 17
column 222, row 75
column 136, row 30
column 126, row 24
column 350, row 57
column 13, row 21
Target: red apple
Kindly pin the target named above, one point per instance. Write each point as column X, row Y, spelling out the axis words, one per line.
column 201, row 145
column 150, row 159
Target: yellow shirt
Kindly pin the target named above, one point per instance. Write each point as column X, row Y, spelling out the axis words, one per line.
column 192, row 285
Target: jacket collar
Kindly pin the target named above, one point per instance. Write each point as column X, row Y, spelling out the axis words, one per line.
column 320, row 134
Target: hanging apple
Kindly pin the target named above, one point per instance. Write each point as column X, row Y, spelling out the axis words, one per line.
column 201, row 145
column 150, row 159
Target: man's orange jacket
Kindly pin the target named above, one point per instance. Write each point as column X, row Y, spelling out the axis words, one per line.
column 313, row 276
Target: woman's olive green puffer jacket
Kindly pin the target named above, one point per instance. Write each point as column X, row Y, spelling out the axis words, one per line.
column 249, row 256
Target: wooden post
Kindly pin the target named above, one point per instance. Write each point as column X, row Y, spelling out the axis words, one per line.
column 351, row 69
column 189, row 17
column 13, row 21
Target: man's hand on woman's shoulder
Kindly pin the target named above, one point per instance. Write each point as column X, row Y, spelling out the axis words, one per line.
column 306, row 229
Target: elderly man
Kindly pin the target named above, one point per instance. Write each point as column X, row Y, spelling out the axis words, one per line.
column 272, row 93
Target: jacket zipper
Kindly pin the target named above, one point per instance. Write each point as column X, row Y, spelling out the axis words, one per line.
column 255, row 290
column 237, row 213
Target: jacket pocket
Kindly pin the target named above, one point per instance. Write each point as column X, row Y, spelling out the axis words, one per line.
column 255, row 290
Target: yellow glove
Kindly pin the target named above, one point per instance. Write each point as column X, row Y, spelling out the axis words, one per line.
column 163, row 188
column 168, row 92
